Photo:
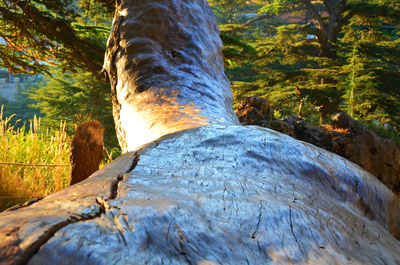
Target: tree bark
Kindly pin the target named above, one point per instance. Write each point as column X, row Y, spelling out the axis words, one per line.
column 164, row 62
column 327, row 31
column 212, row 195
column 87, row 151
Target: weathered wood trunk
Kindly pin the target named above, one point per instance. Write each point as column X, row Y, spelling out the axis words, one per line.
column 216, row 194
column 164, row 61
column 223, row 194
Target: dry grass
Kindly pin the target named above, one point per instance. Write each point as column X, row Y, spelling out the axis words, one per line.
column 36, row 147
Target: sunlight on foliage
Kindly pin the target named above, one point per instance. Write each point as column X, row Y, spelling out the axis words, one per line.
column 37, row 148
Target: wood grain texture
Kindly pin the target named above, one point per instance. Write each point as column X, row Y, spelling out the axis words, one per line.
column 217, row 194
column 164, row 61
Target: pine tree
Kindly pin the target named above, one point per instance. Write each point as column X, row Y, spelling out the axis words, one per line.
column 65, row 40
column 74, row 98
column 39, row 34
column 373, row 73
column 308, row 60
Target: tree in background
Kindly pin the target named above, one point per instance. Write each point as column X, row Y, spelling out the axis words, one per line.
column 310, row 58
column 39, row 34
column 372, row 49
column 64, row 40
column 324, row 19
column 23, row 109
column 74, row 98
column 227, row 11
column 304, row 57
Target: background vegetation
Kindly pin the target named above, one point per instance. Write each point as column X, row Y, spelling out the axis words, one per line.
column 326, row 56
column 34, row 146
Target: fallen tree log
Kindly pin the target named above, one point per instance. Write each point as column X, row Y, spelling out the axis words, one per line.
column 342, row 135
column 211, row 195
column 205, row 194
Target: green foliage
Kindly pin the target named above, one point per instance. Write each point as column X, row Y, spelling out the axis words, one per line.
column 373, row 64
column 227, row 10
column 310, row 58
column 381, row 9
column 75, row 98
column 318, row 58
column 66, row 40
column 235, row 51
column 42, row 33
column 278, row 7
column 384, row 131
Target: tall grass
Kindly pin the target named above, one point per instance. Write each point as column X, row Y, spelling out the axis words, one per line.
column 38, row 148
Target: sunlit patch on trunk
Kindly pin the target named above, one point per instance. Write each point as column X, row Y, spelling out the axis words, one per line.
column 154, row 114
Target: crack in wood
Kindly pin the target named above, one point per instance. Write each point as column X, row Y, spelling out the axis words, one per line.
column 294, row 235
column 115, row 183
column 253, row 236
column 49, row 233
column 23, row 205
column 102, row 207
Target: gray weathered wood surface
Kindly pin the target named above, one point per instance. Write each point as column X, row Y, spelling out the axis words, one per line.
column 217, row 194
column 164, row 61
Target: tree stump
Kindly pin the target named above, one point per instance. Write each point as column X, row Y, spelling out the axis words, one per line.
column 87, row 150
